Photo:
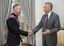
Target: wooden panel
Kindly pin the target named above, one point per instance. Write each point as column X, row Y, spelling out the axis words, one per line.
column 60, row 39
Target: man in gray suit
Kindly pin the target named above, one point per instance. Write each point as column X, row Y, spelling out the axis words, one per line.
column 51, row 25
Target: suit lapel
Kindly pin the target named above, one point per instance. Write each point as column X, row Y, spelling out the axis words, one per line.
column 44, row 19
column 49, row 20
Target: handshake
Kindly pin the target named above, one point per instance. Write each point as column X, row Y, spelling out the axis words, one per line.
column 47, row 31
column 30, row 32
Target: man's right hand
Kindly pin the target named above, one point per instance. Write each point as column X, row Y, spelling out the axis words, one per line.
column 30, row 32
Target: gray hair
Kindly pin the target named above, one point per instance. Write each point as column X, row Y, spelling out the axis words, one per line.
column 16, row 5
column 49, row 4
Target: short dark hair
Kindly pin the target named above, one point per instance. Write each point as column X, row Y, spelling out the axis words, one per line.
column 50, row 4
column 16, row 5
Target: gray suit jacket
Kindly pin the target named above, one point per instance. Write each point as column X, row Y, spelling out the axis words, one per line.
column 53, row 25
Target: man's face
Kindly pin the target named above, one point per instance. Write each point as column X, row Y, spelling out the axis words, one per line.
column 18, row 10
column 47, row 8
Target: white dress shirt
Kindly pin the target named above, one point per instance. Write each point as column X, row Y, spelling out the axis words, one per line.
column 49, row 14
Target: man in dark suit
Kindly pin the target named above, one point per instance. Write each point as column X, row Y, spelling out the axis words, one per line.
column 13, row 25
column 51, row 25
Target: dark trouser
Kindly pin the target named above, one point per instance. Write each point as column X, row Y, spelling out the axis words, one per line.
column 44, row 42
column 12, row 45
column 48, row 45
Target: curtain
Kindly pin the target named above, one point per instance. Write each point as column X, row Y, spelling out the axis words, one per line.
column 28, row 8
column 5, row 8
column 1, row 40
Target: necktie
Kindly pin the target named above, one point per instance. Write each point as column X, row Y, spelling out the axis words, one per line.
column 46, row 20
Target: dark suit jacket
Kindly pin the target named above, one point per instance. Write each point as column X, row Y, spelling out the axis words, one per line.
column 14, row 31
column 53, row 25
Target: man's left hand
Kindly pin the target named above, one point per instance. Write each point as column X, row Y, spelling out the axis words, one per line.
column 47, row 31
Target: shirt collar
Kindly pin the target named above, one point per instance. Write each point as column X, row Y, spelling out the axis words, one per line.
column 14, row 15
column 49, row 14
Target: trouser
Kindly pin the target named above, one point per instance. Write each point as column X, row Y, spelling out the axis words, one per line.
column 12, row 45
column 45, row 44
column 15, row 45
column 44, row 41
